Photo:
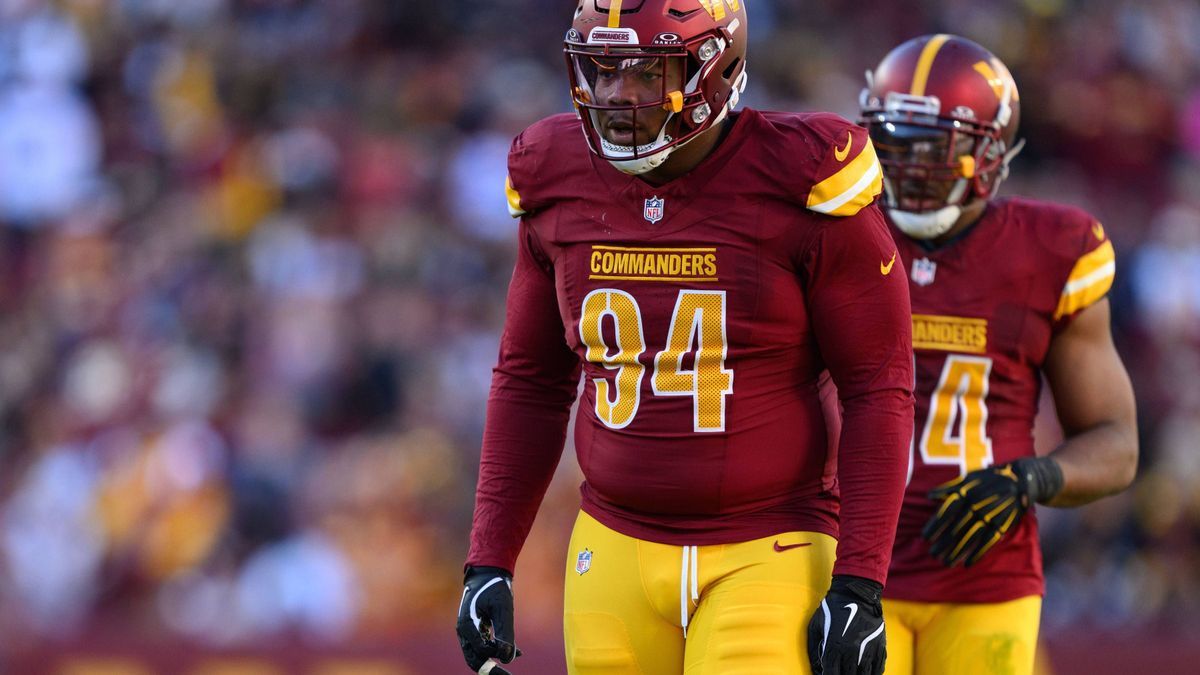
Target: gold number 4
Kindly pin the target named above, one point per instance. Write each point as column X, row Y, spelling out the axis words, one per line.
column 698, row 321
column 956, row 426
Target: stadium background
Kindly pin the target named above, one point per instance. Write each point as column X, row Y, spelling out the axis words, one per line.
column 252, row 272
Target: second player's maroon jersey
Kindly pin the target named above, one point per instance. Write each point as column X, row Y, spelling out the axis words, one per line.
column 985, row 309
column 702, row 312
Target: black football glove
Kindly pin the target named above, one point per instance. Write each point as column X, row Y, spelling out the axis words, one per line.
column 845, row 635
column 978, row 509
column 485, row 620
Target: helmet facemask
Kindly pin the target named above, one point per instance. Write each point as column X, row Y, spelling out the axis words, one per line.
column 934, row 166
column 927, row 166
column 639, row 103
column 943, row 113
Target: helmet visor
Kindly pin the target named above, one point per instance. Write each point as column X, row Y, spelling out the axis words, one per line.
column 923, row 164
column 629, row 98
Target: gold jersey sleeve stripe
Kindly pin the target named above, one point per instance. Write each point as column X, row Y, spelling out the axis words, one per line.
column 925, row 63
column 849, row 190
column 514, row 199
column 1090, row 280
column 1091, row 261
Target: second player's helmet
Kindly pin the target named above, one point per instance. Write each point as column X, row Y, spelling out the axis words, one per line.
column 942, row 112
column 704, row 39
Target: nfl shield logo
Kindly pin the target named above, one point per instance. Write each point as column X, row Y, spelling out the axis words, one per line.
column 654, row 209
column 923, row 271
column 584, row 562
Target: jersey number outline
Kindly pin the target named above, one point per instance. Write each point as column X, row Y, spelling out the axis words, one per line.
column 955, row 430
column 698, row 325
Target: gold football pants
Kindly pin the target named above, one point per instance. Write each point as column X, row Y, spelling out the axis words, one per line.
column 930, row 638
column 743, row 607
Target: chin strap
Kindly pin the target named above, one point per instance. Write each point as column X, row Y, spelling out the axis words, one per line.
column 646, row 162
column 1008, row 157
column 637, row 167
column 927, row 225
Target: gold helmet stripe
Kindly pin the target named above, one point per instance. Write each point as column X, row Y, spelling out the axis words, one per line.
column 614, row 13
column 925, row 63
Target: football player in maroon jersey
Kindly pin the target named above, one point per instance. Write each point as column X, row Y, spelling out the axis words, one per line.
column 700, row 266
column 1003, row 291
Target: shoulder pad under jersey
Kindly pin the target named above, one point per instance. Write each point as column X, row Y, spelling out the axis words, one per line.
column 538, row 161
column 847, row 176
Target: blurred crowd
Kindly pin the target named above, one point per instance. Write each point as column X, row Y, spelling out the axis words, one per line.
column 253, row 259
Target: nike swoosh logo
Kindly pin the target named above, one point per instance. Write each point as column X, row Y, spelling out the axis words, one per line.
column 862, row 648
column 853, row 612
column 887, row 269
column 840, row 153
column 781, row 548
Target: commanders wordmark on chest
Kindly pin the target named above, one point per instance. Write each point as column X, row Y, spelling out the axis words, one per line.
column 643, row 263
column 950, row 333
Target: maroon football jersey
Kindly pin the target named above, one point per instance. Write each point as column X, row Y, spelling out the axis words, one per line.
column 702, row 312
column 985, row 308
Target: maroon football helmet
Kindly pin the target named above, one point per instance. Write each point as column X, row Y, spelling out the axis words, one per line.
column 942, row 112
column 701, row 44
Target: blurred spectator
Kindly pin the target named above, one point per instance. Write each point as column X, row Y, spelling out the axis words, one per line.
column 49, row 140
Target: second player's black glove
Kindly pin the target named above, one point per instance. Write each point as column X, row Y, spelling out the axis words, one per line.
column 845, row 635
column 485, row 620
column 978, row 509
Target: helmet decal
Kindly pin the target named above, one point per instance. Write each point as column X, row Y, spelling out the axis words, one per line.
column 614, row 36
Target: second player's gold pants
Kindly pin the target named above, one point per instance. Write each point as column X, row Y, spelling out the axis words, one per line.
column 930, row 638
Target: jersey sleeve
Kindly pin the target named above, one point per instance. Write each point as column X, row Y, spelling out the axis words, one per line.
column 533, row 386
column 522, row 176
column 1091, row 274
column 530, row 184
column 514, row 198
column 848, row 176
column 859, row 305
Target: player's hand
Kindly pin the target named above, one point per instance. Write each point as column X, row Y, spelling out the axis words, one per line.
column 845, row 635
column 485, row 620
column 978, row 509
